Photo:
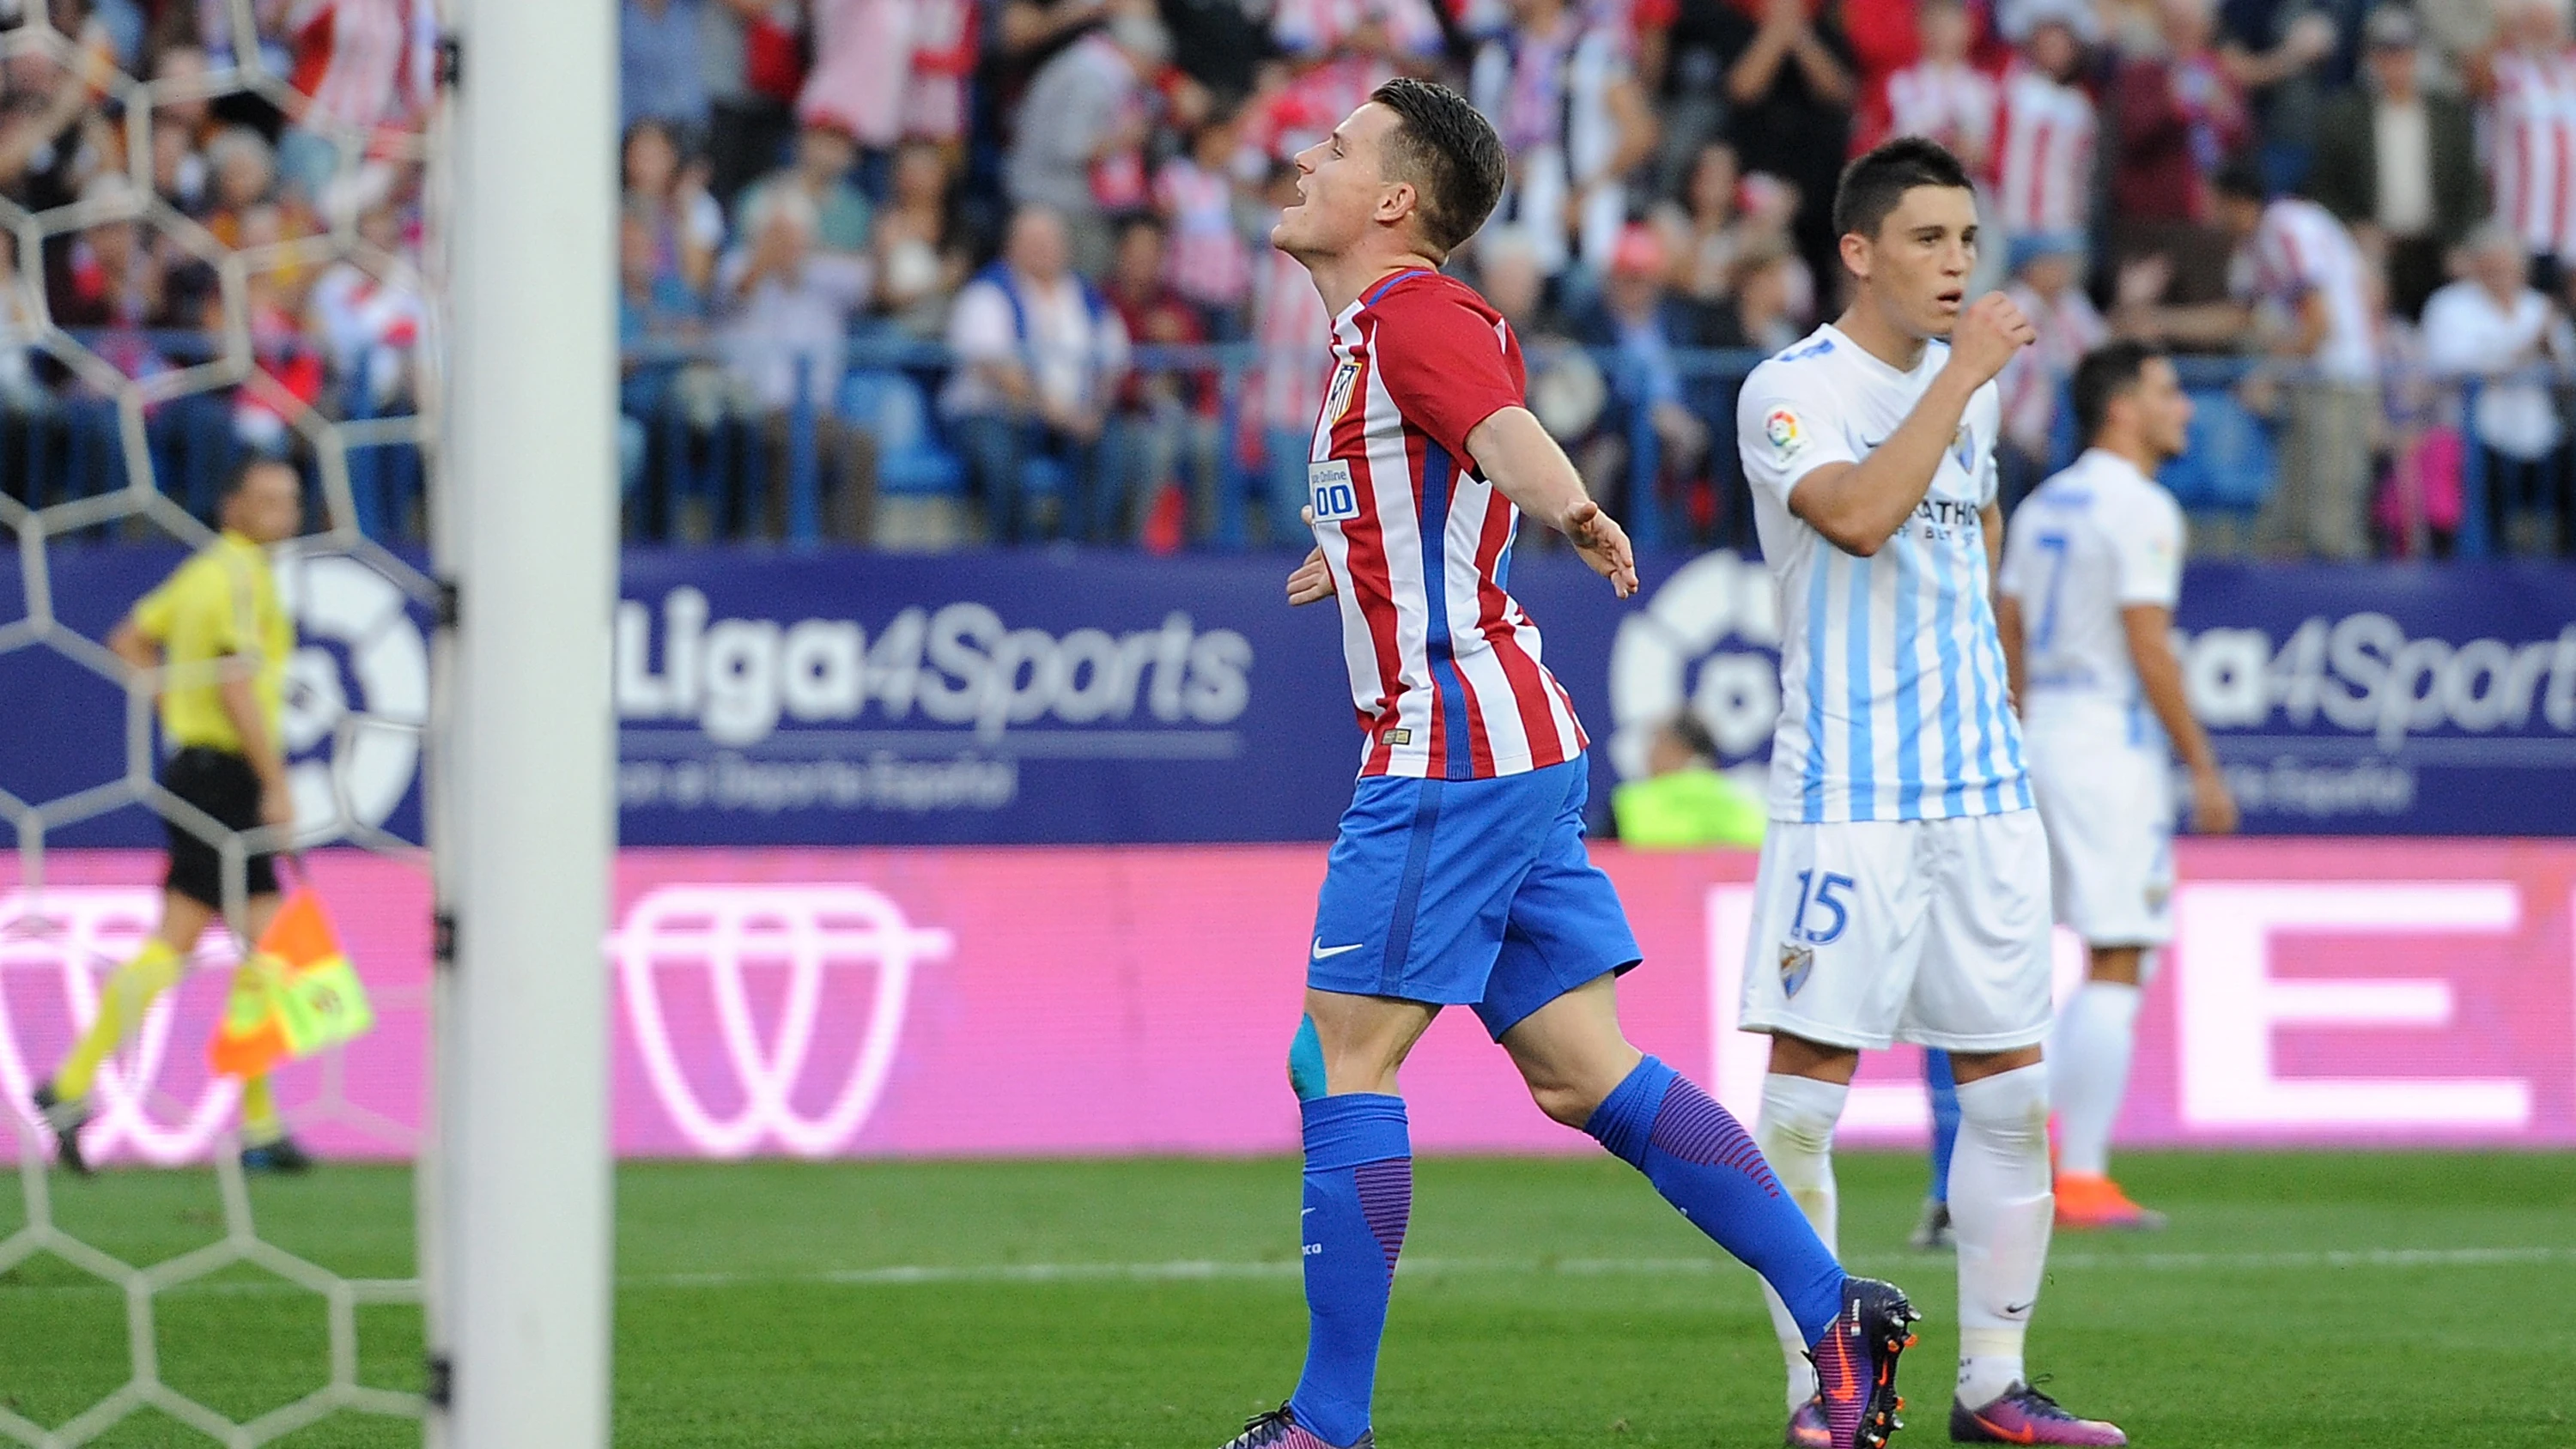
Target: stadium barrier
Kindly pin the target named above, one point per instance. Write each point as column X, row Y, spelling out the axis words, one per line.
column 1131, row 1000
column 830, row 698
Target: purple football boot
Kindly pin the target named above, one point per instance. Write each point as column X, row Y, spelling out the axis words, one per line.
column 1808, row 1429
column 2024, row 1415
column 1279, row 1429
column 1856, row 1365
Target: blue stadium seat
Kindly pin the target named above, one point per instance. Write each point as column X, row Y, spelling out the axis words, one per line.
column 2231, row 464
column 910, row 462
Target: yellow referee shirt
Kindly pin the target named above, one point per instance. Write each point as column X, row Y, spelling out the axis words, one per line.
column 221, row 602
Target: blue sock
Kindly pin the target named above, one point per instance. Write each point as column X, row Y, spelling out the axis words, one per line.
column 1359, row 1193
column 1703, row 1162
column 1945, row 1118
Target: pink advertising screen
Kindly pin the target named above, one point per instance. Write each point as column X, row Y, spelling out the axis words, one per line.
column 1096, row 1000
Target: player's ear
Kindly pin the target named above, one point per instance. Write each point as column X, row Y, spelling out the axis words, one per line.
column 1398, row 202
column 1855, row 252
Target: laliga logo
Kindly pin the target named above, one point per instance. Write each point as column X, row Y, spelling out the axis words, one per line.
column 805, row 928
column 71, row 932
column 1673, row 655
column 357, row 758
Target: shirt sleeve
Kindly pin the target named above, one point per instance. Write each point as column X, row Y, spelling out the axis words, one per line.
column 979, row 327
column 156, row 611
column 1446, row 366
column 2148, row 545
column 2015, row 579
column 1784, row 430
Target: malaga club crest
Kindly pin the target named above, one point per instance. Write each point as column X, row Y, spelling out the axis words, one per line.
column 1797, row 962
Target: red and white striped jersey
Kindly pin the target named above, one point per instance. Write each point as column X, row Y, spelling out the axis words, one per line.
column 1444, row 664
column 1208, row 261
column 2043, row 158
column 2531, row 126
column 1951, row 104
column 365, row 63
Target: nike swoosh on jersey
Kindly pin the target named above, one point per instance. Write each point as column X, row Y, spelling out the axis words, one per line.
column 1326, row 953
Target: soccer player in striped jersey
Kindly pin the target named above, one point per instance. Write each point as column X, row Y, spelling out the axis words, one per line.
column 1903, row 889
column 1459, row 875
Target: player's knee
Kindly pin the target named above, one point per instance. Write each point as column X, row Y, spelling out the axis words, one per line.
column 1566, row 1102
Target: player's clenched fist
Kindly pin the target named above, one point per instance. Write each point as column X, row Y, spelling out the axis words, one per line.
column 1988, row 334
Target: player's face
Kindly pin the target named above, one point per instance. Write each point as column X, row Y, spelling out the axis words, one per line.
column 1341, row 188
column 2164, row 409
column 1917, row 267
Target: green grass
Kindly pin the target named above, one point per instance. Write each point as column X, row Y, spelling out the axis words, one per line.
column 1548, row 1303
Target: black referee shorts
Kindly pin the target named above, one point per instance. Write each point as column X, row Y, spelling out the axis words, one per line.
column 223, row 785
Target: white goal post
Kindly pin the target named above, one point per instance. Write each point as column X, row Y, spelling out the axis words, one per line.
column 517, row 1188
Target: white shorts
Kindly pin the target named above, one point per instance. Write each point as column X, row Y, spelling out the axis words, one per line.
column 2108, row 806
column 1930, row 931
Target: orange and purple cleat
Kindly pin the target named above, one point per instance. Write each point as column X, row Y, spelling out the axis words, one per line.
column 2090, row 1201
column 2024, row 1415
column 1856, row 1367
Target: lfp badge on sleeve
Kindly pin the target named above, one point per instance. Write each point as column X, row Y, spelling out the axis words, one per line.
column 1328, row 486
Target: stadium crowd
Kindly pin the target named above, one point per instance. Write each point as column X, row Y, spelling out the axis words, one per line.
column 930, row 271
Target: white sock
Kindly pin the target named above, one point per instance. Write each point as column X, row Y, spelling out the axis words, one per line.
column 2088, row 1065
column 2000, row 1210
column 1796, row 1132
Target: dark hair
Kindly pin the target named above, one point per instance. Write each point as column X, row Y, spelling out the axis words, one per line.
column 1876, row 183
column 1133, row 221
column 2105, row 373
column 2242, row 177
column 1692, row 733
column 1449, row 151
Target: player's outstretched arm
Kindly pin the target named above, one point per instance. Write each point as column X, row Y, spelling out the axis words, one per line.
column 1517, row 456
column 2150, row 630
column 2008, row 629
column 1858, row 506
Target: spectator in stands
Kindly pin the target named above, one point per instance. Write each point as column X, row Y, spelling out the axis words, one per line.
column 180, row 128
column 748, row 60
column 946, row 40
column 2533, row 149
column 22, row 394
column 2048, row 287
column 1763, row 310
column 920, row 257
column 1559, row 88
column 1943, row 95
column 2399, row 164
column 244, row 175
column 111, row 283
column 370, row 323
column 825, row 152
column 2044, row 147
column 1638, row 326
column 2308, row 297
column 1290, row 334
column 1790, row 85
column 1082, row 133
column 787, row 306
column 1211, row 261
column 2180, row 115
column 1166, row 417
column 671, row 198
column 1703, row 229
column 659, row 76
column 360, row 65
column 657, row 315
column 1038, row 356
column 2279, row 53
column 862, row 53
column 2494, row 327
column 44, row 112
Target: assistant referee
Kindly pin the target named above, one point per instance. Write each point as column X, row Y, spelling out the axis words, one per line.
column 221, row 637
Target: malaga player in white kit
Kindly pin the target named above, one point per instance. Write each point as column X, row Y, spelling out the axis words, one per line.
column 2090, row 577
column 1903, row 891
column 1458, row 875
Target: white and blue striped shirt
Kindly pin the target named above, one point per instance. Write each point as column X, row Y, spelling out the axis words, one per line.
column 1893, row 699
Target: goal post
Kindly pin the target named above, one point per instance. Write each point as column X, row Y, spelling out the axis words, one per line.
column 518, row 1187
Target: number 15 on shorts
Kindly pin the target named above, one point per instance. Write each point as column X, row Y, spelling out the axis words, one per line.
column 1822, row 913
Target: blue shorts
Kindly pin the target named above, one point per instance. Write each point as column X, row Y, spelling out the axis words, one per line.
column 1468, row 892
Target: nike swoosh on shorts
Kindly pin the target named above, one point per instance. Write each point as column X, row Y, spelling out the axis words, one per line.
column 1326, row 953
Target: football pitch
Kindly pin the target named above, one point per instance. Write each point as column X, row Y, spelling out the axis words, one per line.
column 2299, row 1299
